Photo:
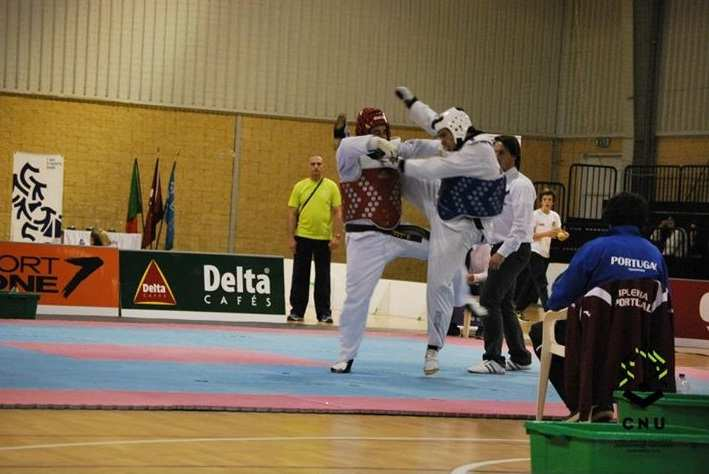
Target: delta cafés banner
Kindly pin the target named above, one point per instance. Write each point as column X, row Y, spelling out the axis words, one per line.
column 36, row 204
column 216, row 287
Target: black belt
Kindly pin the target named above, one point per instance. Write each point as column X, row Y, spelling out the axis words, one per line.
column 413, row 233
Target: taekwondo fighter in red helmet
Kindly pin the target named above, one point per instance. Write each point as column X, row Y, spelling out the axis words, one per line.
column 371, row 188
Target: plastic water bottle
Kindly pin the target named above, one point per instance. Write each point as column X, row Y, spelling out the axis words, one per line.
column 683, row 384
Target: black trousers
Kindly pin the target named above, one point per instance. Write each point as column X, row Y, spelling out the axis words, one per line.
column 307, row 250
column 556, row 372
column 532, row 283
column 497, row 296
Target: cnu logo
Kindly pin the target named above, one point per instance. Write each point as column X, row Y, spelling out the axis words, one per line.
column 661, row 372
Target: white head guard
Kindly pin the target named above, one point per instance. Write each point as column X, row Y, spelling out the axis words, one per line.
column 456, row 121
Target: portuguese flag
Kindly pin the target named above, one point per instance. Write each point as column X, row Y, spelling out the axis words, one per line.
column 135, row 201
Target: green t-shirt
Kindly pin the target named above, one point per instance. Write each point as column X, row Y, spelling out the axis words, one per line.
column 315, row 220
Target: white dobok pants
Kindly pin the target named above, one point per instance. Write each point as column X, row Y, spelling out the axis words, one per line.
column 367, row 255
column 450, row 242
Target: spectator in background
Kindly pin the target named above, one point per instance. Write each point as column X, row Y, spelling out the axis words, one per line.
column 532, row 281
column 314, row 204
column 99, row 237
column 670, row 239
column 693, row 236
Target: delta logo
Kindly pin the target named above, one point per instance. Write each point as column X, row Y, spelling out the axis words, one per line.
column 154, row 288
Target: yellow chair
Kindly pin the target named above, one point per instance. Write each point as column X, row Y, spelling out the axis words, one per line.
column 467, row 315
column 549, row 347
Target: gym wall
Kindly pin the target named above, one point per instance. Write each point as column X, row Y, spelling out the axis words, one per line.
column 99, row 142
column 104, row 82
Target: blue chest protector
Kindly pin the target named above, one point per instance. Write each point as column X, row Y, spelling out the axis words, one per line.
column 471, row 197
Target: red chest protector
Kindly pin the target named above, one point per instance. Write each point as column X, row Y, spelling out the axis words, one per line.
column 376, row 196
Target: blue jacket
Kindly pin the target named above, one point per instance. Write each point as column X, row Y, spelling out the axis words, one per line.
column 622, row 254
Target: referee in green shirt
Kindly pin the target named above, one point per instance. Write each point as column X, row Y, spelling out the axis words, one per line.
column 314, row 204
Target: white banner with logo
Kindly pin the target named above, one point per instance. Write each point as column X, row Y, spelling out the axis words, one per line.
column 37, row 190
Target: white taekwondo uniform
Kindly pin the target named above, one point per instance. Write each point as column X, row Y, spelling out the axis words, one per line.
column 451, row 238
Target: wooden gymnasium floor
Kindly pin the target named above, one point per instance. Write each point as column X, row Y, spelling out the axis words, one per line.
column 157, row 442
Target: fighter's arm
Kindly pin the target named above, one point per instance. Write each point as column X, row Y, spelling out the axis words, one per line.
column 339, row 130
column 418, row 192
column 467, row 162
column 431, row 169
column 423, row 116
column 420, row 113
column 348, row 153
column 419, row 148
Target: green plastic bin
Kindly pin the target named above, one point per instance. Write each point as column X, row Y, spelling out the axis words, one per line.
column 18, row 305
column 677, row 409
column 605, row 448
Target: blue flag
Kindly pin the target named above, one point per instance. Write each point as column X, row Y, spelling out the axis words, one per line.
column 170, row 211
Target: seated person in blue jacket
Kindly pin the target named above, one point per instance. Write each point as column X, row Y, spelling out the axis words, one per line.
column 622, row 254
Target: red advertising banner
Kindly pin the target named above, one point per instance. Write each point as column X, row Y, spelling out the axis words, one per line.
column 69, row 279
column 690, row 300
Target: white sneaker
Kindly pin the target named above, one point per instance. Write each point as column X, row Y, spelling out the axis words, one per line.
column 430, row 365
column 487, row 367
column 511, row 366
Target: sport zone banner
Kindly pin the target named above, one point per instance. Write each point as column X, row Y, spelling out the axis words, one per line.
column 216, row 287
column 37, row 190
column 70, row 280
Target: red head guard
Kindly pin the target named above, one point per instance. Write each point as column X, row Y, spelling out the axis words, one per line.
column 370, row 117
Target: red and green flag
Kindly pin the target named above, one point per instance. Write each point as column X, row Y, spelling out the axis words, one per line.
column 135, row 201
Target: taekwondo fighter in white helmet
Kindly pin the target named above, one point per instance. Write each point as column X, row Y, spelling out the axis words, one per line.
column 468, row 189
column 371, row 189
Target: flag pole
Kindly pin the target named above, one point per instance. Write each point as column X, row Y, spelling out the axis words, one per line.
column 169, row 180
column 157, row 240
column 156, row 243
column 140, row 197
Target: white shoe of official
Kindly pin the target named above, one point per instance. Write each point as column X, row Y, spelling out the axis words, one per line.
column 511, row 366
column 487, row 367
column 430, row 364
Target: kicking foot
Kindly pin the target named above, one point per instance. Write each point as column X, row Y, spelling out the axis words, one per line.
column 342, row 367
column 476, row 307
